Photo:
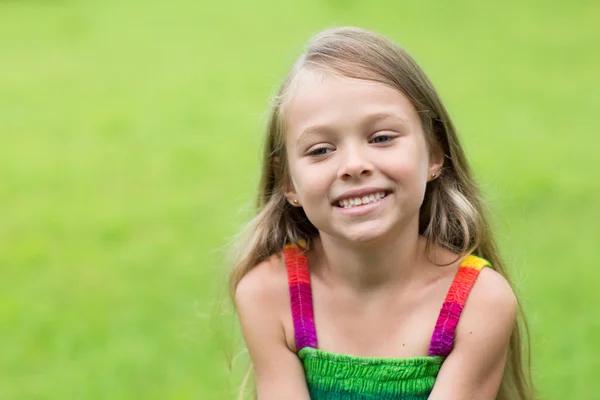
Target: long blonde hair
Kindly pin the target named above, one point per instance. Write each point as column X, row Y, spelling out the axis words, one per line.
column 452, row 214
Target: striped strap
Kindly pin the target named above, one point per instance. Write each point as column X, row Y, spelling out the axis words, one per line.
column 442, row 340
column 301, row 297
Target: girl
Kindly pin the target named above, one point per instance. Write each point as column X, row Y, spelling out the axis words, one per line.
column 366, row 271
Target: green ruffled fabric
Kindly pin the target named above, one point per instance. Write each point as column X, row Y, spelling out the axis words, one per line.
column 333, row 376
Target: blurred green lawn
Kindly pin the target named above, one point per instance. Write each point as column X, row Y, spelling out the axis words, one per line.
column 129, row 150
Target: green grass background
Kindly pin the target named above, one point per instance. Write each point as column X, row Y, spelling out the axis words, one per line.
column 129, row 152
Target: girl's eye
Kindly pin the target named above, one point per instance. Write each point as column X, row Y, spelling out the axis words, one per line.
column 382, row 139
column 321, row 151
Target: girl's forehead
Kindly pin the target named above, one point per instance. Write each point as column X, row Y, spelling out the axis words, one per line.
column 334, row 101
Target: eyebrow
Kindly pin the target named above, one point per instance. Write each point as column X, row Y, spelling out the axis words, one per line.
column 368, row 120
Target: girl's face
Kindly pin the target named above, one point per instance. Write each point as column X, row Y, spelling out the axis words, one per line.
column 358, row 159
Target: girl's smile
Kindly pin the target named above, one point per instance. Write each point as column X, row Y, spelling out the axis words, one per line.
column 361, row 201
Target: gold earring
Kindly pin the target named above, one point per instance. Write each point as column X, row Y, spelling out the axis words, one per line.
column 295, row 201
column 433, row 175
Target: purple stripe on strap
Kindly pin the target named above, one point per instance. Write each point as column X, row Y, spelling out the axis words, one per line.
column 442, row 340
column 302, row 314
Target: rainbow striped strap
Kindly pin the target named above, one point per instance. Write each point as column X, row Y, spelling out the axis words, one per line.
column 300, row 297
column 442, row 340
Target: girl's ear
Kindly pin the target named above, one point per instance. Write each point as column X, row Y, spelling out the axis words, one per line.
column 290, row 192
column 436, row 161
column 288, row 186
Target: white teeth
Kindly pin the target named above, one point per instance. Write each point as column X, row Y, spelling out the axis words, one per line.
column 357, row 201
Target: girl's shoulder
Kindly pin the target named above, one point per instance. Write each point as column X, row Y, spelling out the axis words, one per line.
column 489, row 314
column 263, row 303
column 492, row 292
column 264, row 283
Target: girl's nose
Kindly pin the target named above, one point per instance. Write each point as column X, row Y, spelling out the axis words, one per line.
column 354, row 165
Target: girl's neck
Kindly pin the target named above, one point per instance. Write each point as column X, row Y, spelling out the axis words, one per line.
column 390, row 261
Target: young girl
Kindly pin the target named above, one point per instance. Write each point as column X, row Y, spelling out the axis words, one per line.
column 368, row 271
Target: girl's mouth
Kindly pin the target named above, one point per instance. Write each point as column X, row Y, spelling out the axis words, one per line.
column 362, row 200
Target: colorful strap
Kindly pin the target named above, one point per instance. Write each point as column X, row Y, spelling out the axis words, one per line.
column 300, row 296
column 442, row 340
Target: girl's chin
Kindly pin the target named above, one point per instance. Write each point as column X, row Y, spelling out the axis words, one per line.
column 366, row 235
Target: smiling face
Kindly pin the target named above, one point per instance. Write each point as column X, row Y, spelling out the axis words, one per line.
column 357, row 156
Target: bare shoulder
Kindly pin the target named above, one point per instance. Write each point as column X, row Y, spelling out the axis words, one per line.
column 264, row 286
column 491, row 307
column 262, row 303
column 492, row 290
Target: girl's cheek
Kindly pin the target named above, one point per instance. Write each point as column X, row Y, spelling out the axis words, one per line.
column 401, row 167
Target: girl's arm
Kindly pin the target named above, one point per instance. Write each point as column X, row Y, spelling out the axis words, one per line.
column 262, row 299
column 474, row 368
